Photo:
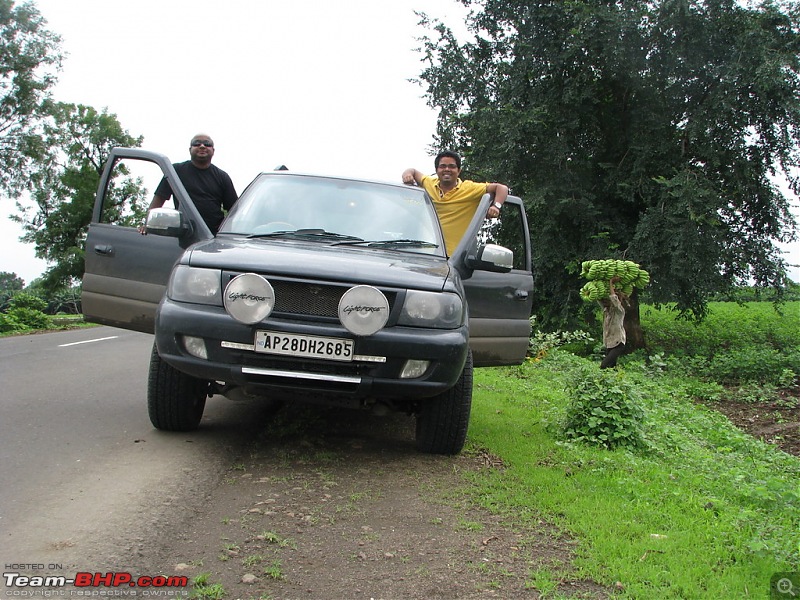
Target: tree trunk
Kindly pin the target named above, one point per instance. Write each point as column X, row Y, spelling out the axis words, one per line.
column 633, row 326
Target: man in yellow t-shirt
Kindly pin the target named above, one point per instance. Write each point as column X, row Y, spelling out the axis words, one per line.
column 455, row 200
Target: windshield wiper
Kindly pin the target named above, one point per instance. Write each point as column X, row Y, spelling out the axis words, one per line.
column 391, row 243
column 316, row 234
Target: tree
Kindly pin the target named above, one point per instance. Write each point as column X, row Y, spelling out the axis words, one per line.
column 650, row 131
column 64, row 185
column 10, row 284
column 29, row 57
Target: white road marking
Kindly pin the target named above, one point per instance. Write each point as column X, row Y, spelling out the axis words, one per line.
column 89, row 341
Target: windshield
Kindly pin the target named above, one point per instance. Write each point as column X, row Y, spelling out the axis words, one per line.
column 336, row 211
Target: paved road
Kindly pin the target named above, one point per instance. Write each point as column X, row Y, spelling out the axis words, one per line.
column 84, row 476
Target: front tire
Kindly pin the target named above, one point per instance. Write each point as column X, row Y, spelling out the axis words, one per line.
column 443, row 420
column 175, row 401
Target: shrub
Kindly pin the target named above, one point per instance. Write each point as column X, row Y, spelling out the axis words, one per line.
column 25, row 312
column 9, row 323
column 749, row 364
column 541, row 343
column 27, row 301
column 604, row 410
column 29, row 319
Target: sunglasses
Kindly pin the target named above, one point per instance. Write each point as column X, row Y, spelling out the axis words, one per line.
column 196, row 143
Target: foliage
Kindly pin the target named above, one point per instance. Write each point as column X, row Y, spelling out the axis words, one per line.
column 29, row 57
column 64, row 300
column 542, row 342
column 77, row 138
column 704, row 511
column 645, row 131
column 29, row 301
column 751, row 342
column 751, row 293
column 24, row 313
column 605, row 409
column 23, row 319
column 10, row 283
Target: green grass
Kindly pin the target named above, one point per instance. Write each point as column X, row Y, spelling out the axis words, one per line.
column 203, row 589
column 698, row 510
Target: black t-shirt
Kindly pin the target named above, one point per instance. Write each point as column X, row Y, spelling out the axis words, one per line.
column 210, row 189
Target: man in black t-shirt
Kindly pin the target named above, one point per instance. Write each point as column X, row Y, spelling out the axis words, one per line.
column 209, row 187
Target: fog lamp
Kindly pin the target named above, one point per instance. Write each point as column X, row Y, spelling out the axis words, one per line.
column 414, row 368
column 195, row 346
column 249, row 298
column 363, row 310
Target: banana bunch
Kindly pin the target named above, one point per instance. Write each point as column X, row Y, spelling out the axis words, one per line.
column 600, row 272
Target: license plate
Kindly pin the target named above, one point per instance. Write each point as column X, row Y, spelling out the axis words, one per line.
column 305, row 346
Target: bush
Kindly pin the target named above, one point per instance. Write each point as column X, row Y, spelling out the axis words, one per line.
column 26, row 301
column 29, row 319
column 9, row 323
column 604, row 410
column 24, row 313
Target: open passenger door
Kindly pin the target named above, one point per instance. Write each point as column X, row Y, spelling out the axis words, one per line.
column 499, row 300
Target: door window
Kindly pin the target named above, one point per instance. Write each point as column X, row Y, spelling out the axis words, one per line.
column 508, row 231
column 129, row 192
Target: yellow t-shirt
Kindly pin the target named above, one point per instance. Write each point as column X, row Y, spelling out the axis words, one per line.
column 455, row 208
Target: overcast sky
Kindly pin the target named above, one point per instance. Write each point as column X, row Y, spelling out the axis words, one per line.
column 316, row 85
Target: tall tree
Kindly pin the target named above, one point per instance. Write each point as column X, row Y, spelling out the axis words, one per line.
column 29, row 58
column 64, row 184
column 648, row 130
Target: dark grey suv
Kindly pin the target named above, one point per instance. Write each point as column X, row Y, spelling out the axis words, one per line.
column 335, row 290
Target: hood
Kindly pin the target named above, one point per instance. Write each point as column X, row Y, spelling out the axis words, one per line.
column 320, row 261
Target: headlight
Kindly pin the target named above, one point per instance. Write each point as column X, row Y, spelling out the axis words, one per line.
column 249, row 298
column 199, row 286
column 431, row 309
column 363, row 310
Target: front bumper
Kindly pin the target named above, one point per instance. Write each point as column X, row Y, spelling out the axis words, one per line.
column 374, row 371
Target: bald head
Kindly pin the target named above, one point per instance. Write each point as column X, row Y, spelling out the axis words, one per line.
column 201, row 150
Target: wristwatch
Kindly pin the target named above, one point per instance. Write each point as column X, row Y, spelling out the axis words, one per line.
column 497, row 205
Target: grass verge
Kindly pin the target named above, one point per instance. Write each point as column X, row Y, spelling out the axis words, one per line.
column 700, row 510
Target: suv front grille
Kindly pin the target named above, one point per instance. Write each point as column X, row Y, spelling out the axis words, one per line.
column 309, row 299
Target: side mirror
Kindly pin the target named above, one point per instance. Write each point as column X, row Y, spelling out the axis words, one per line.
column 167, row 222
column 491, row 257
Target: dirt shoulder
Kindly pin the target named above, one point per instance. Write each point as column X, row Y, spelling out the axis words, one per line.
column 335, row 505
column 775, row 422
column 345, row 507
